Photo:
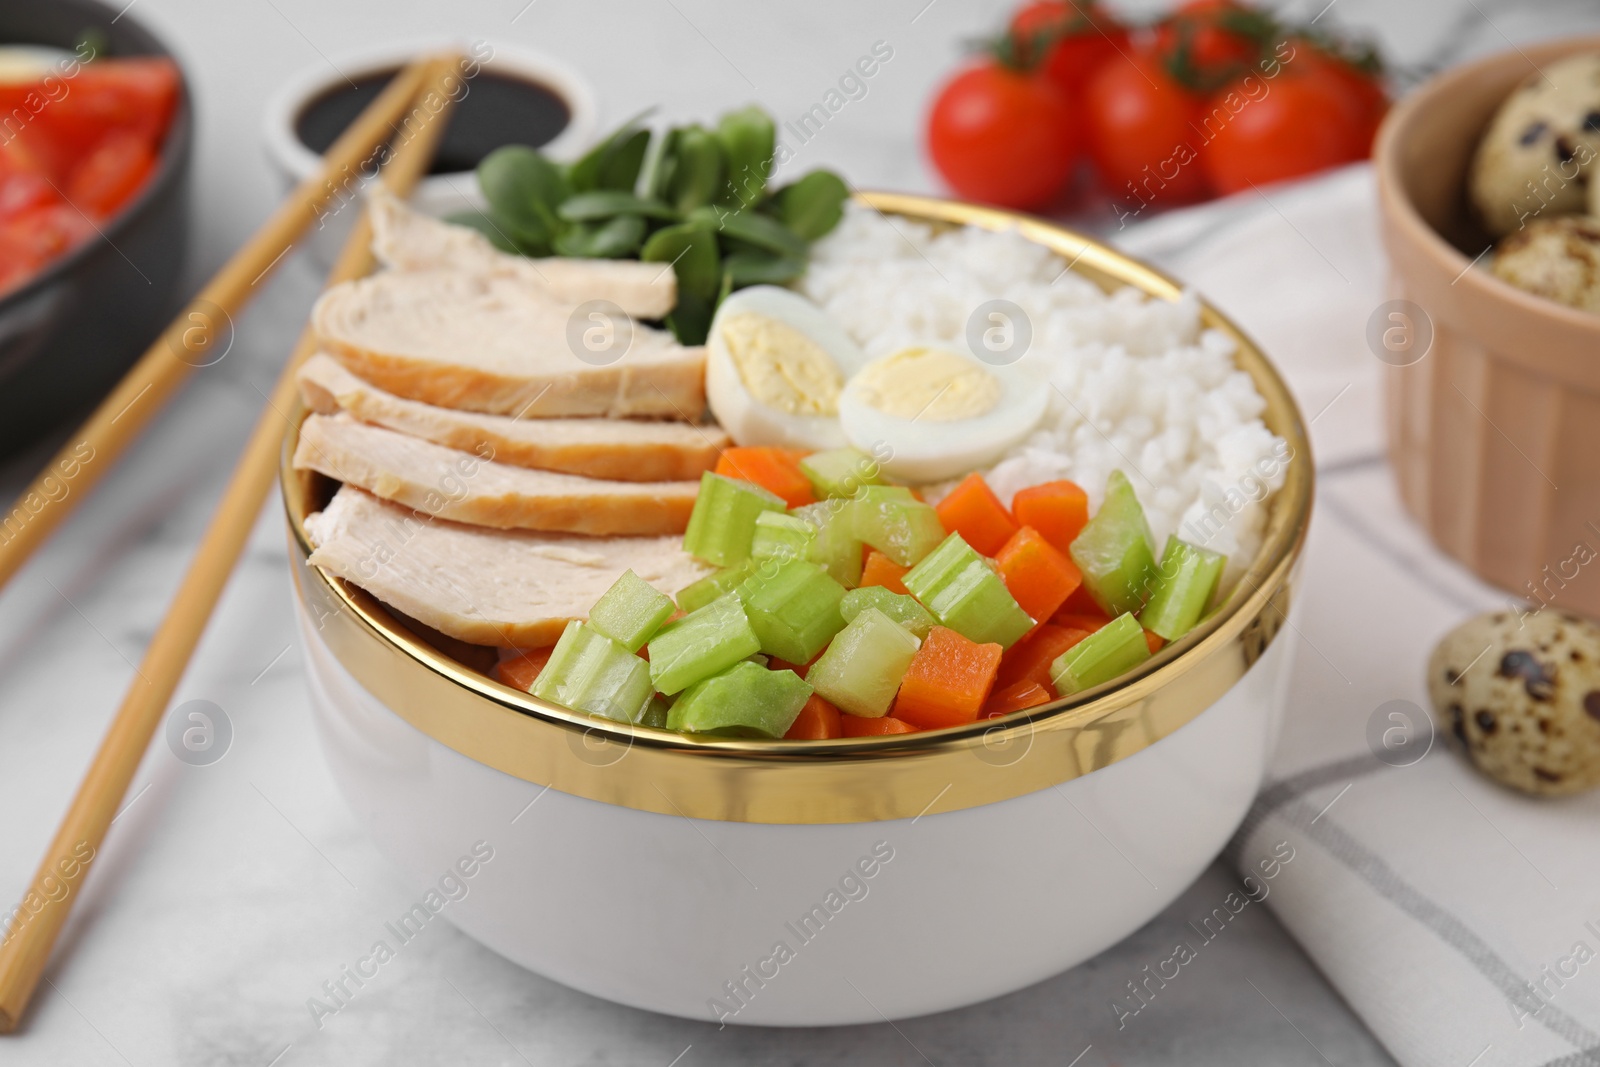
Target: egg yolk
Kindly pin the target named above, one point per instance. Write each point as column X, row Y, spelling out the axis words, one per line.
column 928, row 385
column 782, row 367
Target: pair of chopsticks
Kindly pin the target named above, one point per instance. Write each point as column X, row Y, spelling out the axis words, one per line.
column 26, row 946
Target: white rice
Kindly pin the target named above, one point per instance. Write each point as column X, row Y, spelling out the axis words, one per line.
column 1138, row 385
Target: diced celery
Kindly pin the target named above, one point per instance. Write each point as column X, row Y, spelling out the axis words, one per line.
column 1110, row 651
column 939, row 567
column 837, row 548
column 744, row 701
column 782, row 536
column 890, row 519
column 976, row 604
column 1183, row 585
column 697, row 595
column 962, row 591
column 655, row 712
column 884, row 492
column 724, row 519
column 860, row 671
column 590, row 672
column 702, row 643
column 1116, row 551
column 631, row 611
column 840, row 472
column 793, row 606
column 899, row 607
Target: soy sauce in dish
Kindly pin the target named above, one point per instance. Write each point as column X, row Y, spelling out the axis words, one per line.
column 497, row 110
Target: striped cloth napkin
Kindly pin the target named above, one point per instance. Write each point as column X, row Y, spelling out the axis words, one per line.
column 1460, row 920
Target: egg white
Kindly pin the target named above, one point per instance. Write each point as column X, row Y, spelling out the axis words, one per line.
column 919, row 450
column 746, row 419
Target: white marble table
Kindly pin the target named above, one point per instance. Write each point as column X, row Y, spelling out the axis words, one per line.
column 227, row 894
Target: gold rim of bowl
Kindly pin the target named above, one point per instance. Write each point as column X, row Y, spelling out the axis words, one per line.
column 853, row 779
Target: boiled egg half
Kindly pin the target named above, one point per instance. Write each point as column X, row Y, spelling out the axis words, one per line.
column 775, row 367
column 936, row 413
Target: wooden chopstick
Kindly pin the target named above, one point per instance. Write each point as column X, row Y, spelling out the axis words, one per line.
column 24, row 954
column 187, row 342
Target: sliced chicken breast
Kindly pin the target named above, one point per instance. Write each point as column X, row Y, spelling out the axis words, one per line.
column 485, row 342
column 486, row 587
column 629, row 450
column 407, row 240
column 470, row 487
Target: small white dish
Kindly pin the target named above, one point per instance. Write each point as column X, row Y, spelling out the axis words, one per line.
column 438, row 194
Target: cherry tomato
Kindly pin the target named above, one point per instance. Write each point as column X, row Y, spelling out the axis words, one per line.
column 1303, row 123
column 1038, row 24
column 1362, row 88
column 62, row 117
column 1078, row 38
column 88, row 132
column 29, row 145
column 1142, row 133
column 111, row 174
column 22, row 191
column 137, row 95
column 1207, row 43
column 1003, row 137
column 33, row 238
column 33, row 151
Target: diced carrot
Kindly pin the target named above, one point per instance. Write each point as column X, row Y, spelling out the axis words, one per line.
column 856, row 726
column 1090, row 623
column 948, row 680
column 1039, row 575
column 1058, row 510
column 1015, row 697
column 776, row 664
column 644, row 650
column 519, row 671
column 1087, row 622
column 817, row 721
column 774, row 469
column 1029, row 659
column 973, row 511
column 881, row 570
column 1081, row 603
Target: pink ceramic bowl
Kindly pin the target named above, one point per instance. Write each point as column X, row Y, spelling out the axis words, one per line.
column 1494, row 429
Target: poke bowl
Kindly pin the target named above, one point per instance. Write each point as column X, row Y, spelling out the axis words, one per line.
column 736, row 877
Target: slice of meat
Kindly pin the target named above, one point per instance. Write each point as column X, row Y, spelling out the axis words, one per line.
column 405, row 239
column 628, row 450
column 487, row 587
column 486, row 342
column 470, row 487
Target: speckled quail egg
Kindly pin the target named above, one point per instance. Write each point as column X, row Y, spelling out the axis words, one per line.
column 1558, row 259
column 1540, row 150
column 1521, row 693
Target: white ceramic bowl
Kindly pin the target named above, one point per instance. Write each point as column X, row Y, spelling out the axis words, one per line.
column 439, row 194
column 811, row 883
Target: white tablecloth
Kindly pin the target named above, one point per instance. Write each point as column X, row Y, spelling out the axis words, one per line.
column 1460, row 920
